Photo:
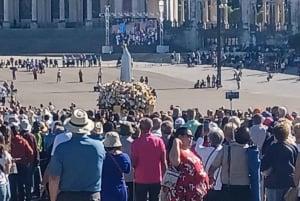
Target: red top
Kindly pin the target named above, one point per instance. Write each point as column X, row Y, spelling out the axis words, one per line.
column 20, row 148
column 147, row 152
column 193, row 181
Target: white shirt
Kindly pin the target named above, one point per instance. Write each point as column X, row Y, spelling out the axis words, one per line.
column 60, row 138
column 208, row 155
column 6, row 158
column 258, row 135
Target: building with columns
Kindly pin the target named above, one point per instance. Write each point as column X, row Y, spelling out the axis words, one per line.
column 53, row 13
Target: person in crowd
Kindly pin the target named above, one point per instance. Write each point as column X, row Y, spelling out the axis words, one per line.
column 297, row 135
column 208, row 155
column 167, row 130
column 229, row 130
column 5, row 166
column 193, row 181
column 82, row 156
column 258, row 131
column 22, row 152
column 234, row 162
column 191, row 123
column 128, row 132
column 148, row 173
column 115, row 164
column 156, row 127
column 278, row 163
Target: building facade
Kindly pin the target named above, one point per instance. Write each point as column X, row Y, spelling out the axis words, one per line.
column 276, row 14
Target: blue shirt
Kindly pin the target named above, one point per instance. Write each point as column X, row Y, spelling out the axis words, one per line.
column 112, row 176
column 79, row 163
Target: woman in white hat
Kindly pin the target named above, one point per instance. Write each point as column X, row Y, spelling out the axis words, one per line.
column 116, row 163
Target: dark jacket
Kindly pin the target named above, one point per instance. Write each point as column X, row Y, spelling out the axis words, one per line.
column 280, row 161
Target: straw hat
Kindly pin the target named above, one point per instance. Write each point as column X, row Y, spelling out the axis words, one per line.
column 112, row 139
column 79, row 122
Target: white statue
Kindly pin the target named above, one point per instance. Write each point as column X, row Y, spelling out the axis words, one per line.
column 126, row 65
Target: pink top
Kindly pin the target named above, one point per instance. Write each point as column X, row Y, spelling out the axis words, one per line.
column 147, row 152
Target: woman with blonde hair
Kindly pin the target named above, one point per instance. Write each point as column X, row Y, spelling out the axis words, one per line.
column 193, row 182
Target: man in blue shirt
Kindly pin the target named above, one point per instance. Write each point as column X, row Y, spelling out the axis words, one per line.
column 76, row 166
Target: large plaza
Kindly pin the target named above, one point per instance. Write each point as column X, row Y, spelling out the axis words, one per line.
column 173, row 83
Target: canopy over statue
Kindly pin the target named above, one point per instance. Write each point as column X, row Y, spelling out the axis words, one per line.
column 126, row 66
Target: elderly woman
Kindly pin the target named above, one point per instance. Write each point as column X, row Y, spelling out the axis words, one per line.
column 116, row 163
column 234, row 162
column 208, row 155
column 229, row 129
column 278, row 164
column 192, row 183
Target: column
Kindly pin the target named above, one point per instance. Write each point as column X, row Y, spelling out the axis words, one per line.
column 226, row 15
column 33, row 24
column 6, row 23
column 264, row 12
column 61, row 22
column 171, row 13
column 205, row 14
column 118, row 7
column 89, row 9
column 175, row 13
column 277, row 16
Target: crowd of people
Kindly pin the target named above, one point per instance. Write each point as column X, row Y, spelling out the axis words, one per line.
column 75, row 154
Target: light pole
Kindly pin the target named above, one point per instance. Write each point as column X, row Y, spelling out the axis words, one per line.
column 161, row 48
column 219, row 26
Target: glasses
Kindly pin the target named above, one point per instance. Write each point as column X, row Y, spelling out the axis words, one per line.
column 190, row 136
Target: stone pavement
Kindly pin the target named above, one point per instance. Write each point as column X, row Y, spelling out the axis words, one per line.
column 174, row 85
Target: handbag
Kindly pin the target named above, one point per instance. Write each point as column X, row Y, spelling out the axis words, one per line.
column 170, row 178
column 291, row 194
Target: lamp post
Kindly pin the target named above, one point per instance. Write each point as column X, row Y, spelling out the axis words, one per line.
column 219, row 26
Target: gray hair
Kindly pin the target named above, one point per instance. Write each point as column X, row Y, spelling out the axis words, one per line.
column 216, row 136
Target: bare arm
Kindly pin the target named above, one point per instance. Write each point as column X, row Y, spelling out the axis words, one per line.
column 53, row 187
column 174, row 155
column 164, row 164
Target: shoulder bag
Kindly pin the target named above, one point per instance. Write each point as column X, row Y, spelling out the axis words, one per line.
column 170, row 178
column 117, row 164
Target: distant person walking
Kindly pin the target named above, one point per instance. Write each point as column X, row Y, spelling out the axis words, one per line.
column 80, row 76
column 58, row 76
column 34, row 71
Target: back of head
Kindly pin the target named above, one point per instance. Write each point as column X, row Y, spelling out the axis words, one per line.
column 242, row 135
column 282, row 111
column 235, row 120
column 229, row 129
column 191, row 114
column 216, row 136
column 257, row 119
column 146, row 124
column 181, row 132
column 281, row 131
column 167, row 127
column 108, row 127
column 297, row 130
column 156, row 123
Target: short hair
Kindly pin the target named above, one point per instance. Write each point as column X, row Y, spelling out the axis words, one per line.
column 281, row 131
column 167, row 127
column 216, row 136
column 242, row 135
column 257, row 119
column 146, row 124
column 191, row 114
column 108, row 127
column 229, row 129
column 156, row 123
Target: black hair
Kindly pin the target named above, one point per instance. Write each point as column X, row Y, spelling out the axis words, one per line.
column 181, row 131
column 242, row 135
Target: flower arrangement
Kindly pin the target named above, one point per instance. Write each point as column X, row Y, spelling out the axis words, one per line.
column 134, row 95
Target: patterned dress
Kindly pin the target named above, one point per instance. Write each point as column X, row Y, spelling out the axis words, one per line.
column 192, row 184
